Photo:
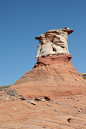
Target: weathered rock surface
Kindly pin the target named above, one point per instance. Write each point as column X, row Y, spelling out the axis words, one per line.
column 67, row 112
column 52, row 76
column 53, row 42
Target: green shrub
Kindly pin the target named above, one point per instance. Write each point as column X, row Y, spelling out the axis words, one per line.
column 84, row 76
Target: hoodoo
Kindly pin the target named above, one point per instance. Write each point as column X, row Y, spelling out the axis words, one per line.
column 53, row 75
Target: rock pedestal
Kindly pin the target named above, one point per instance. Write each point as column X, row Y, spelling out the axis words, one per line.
column 53, row 75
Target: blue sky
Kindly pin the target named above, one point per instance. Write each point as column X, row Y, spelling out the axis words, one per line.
column 22, row 20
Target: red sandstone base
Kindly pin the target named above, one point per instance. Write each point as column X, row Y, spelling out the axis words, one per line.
column 51, row 76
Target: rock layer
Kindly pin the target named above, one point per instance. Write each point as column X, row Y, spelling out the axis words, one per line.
column 52, row 76
column 53, row 42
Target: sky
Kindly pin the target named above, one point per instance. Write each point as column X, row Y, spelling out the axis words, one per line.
column 22, row 20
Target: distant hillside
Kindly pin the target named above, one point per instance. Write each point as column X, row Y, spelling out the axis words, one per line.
column 4, row 87
column 83, row 75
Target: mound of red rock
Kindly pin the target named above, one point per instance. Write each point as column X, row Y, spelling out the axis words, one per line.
column 52, row 76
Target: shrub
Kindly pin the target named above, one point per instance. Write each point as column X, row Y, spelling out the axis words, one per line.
column 1, row 88
column 84, row 76
column 11, row 92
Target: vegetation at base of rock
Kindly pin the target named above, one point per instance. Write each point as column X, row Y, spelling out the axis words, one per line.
column 11, row 92
column 4, row 88
column 83, row 75
column 8, row 90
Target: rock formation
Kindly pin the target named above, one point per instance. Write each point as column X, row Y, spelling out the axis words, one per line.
column 52, row 95
column 53, row 75
column 53, row 42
